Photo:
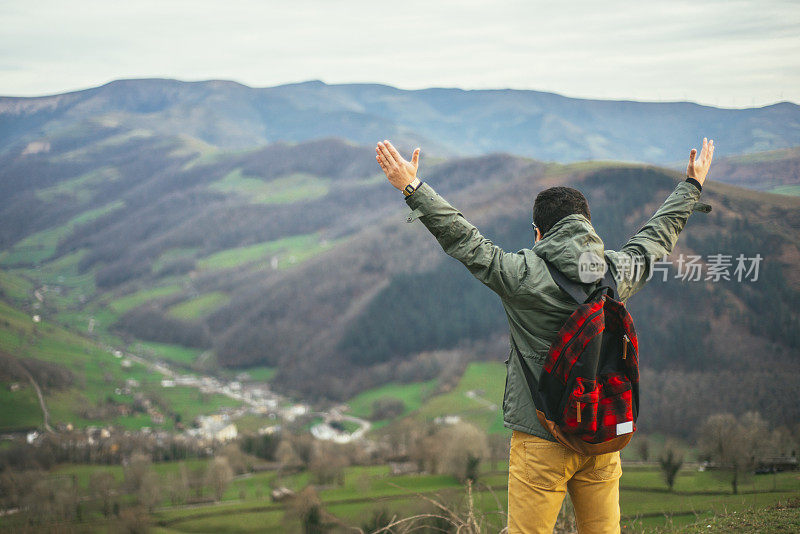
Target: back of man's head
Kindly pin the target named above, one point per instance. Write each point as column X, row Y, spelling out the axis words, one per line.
column 555, row 203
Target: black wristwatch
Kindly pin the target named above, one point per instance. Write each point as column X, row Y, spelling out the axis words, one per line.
column 410, row 188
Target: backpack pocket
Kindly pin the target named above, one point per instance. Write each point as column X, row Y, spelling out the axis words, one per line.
column 615, row 409
column 580, row 412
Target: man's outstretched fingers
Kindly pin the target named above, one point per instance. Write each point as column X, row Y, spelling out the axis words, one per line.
column 395, row 154
column 415, row 158
column 386, row 154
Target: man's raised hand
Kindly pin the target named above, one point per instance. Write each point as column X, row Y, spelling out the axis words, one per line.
column 699, row 169
column 399, row 171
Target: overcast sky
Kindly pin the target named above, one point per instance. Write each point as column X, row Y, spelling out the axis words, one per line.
column 720, row 52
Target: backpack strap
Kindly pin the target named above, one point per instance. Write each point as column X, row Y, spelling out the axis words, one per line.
column 579, row 292
column 610, row 282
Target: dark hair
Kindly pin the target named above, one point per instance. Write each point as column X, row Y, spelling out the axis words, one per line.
column 555, row 203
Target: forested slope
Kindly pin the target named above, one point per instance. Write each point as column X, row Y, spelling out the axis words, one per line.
column 298, row 256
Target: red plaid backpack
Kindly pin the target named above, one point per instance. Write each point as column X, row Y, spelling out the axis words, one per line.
column 588, row 393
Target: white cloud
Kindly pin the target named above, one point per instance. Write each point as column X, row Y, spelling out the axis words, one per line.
column 718, row 51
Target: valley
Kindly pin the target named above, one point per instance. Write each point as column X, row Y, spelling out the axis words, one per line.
column 195, row 321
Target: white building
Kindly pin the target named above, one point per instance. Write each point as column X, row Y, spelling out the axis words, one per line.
column 215, row 428
column 447, row 420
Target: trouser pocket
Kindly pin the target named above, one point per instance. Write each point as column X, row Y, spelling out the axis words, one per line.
column 545, row 463
column 606, row 466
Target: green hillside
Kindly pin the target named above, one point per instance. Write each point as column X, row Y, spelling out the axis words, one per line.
column 182, row 257
column 776, row 171
column 87, row 396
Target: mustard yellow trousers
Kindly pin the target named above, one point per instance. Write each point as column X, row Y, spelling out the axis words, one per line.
column 541, row 472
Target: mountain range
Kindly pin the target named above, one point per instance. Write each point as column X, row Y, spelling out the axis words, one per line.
column 131, row 221
column 446, row 122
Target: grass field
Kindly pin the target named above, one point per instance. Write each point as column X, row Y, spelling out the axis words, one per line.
column 128, row 302
column 26, row 412
column 699, row 499
column 261, row 374
column 787, row 190
column 199, row 306
column 175, row 353
column 645, row 506
column 95, row 370
column 283, row 190
column 188, row 401
column 171, row 255
column 477, row 398
column 484, row 409
column 79, row 188
column 288, row 250
column 783, row 516
column 83, row 472
column 42, row 245
column 411, row 395
column 68, row 288
column 15, row 287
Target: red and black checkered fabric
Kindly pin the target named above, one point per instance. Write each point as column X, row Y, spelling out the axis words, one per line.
column 589, row 382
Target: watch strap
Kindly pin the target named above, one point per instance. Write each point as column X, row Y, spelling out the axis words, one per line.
column 410, row 188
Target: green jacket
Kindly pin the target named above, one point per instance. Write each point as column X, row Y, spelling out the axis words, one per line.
column 535, row 306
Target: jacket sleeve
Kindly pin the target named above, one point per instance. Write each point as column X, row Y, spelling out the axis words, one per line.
column 500, row 271
column 656, row 239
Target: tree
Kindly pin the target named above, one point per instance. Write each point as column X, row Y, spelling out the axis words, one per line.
column 102, row 484
column 239, row 461
column 462, row 446
column 134, row 521
column 150, row 490
column 426, row 450
column 733, row 446
column 197, row 477
column 498, row 448
column 178, row 486
column 471, row 471
column 306, row 507
column 138, row 465
column 670, row 461
column 386, row 408
column 263, row 445
column 50, row 499
column 327, row 465
column 218, row 476
column 400, row 437
column 643, row 447
column 286, row 455
column 304, row 446
column 783, row 443
column 380, row 519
